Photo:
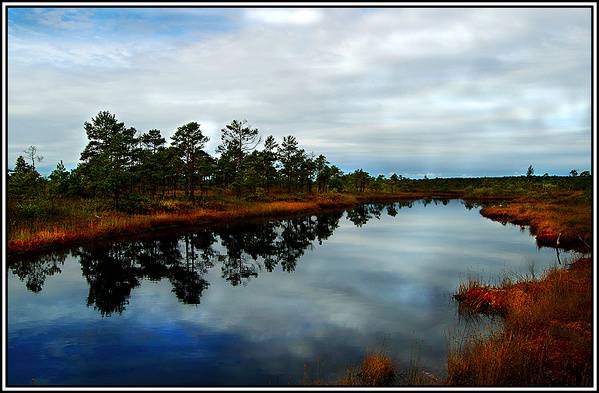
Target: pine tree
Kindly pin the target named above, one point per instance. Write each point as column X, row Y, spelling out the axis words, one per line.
column 189, row 141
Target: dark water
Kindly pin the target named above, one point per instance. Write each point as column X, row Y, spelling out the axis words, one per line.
column 278, row 302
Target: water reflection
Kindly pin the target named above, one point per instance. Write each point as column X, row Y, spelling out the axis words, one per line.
column 34, row 273
column 113, row 270
column 242, row 251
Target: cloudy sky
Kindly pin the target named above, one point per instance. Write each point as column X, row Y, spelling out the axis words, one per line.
column 443, row 92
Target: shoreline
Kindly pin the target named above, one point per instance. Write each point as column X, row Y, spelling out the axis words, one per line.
column 547, row 333
column 115, row 225
column 547, row 230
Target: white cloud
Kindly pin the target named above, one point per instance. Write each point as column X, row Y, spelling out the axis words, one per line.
column 398, row 90
column 288, row 16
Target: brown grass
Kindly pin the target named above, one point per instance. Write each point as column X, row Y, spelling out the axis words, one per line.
column 562, row 223
column 81, row 221
column 477, row 298
column 80, row 228
column 377, row 369
column 547, row 336
column 114, row 223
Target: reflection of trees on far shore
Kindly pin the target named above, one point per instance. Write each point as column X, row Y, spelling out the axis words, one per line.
column 111, row 274
column 34, row 273
column 360, row 215
column 243, row 251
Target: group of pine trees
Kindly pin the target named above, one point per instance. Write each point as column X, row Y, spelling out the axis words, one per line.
column 120, row 164
column 125, row 167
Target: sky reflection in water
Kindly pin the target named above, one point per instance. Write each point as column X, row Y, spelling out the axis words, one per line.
column 258, row 303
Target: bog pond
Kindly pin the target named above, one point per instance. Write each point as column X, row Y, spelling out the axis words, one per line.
column 277, row 302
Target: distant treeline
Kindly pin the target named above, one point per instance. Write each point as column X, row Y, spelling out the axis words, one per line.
column 125, row 166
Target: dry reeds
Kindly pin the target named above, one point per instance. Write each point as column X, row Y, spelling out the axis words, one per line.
column 567, row 225
column 376, row 369
column 86, row 225
column 547, row 336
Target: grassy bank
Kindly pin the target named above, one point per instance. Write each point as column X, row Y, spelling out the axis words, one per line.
column 547, row 336
column 80, row 220
column 564, row 221
column 75, row 220
column 547, row 333
column 42, row 221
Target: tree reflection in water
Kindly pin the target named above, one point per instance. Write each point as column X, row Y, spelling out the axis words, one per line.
column 114, row 270
column 34, row 273
column 111, row 274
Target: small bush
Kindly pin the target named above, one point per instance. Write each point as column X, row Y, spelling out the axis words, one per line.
column 134, row 204
column 377, row 370
column 257, row 196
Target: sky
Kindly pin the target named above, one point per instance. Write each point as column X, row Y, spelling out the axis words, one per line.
column 440, row 92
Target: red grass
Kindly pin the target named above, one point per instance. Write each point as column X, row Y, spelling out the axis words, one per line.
column 117, row 224
column 377, row 370
column 547, row 336
column 570, row 224
column 483, row 300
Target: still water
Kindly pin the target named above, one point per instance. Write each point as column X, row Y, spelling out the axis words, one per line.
column 264, row 303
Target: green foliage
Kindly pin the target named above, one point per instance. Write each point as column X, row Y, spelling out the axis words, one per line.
column 290, row 157
column 108, row 159
column 188, row 142
column 75, row 185
column 29, row 210
column 134, row 204
column 238, row 141
column 24, row 182
column 360, row 180
column 257, row 195
column 153, row 141
column 269, row 161
column 59, row 180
